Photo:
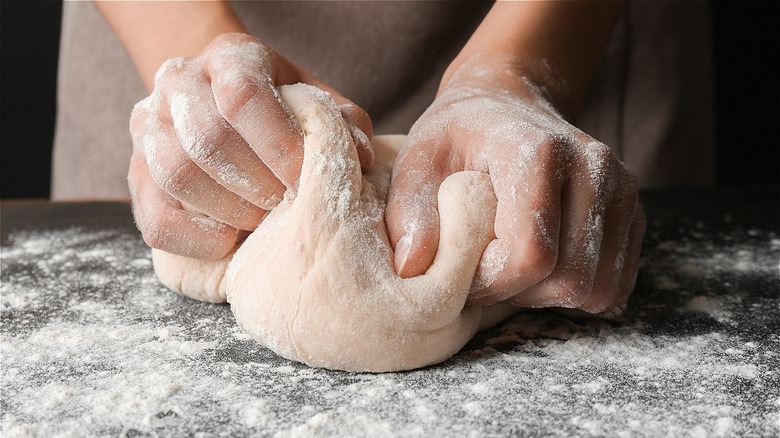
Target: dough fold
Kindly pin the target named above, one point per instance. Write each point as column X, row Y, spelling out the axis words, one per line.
column 315, row 281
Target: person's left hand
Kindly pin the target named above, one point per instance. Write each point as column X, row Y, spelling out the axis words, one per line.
column 568, row 226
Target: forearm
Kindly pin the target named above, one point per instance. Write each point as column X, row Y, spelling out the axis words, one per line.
column 556, row 44
column 152, row 32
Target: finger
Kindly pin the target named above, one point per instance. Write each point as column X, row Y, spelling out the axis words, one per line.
column 630, row 268
column 582, row 231
column 176, row 174
column 411, row 215
column 246, row 97
column 358, row 121
column 361, row 130
column 217, row 148
column 166, row 226
column 527, row 227
column 618, row 219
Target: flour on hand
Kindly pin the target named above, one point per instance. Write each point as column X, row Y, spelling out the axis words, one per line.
column 315, row 281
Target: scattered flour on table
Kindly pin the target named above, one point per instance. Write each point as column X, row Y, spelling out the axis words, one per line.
column 703, row 262
column 91, row 344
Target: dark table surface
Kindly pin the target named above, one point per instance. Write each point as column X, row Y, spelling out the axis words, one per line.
column 93, row 345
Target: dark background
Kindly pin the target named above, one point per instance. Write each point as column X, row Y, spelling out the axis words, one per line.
column 747, row 69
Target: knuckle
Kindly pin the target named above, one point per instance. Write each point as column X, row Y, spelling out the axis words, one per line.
column 139, row 113
column 154, row 230
column 600, row 151
column 170, row 71
column 147, row 144
column 535, row 260
column 600, row 299
column 144, row 114
column 179, row 179
column 175, row 176
column 629, row 184
column 236, row 92
column 600, row 170
column 600, row 159
column 206, row 141
column 550, row 149
column 235, row 50
column 630, row 194
column 137, row 121
column 626, row 200
column 571, row 290
column 629, row 179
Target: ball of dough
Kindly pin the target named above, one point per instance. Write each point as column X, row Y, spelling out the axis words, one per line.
column 315, row 281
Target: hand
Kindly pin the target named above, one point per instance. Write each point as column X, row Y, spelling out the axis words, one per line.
column 214, row 147
column 568, row 226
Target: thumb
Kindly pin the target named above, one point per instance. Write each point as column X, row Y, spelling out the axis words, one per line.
column 412, row 216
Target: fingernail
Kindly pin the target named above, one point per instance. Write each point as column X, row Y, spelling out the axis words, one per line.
column 614, row 312
column 402, row 249
column 358, row 136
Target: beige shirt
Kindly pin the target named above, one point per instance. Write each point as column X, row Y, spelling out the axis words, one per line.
column 651, row 101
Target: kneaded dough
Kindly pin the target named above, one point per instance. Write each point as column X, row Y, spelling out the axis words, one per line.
column 315, row 281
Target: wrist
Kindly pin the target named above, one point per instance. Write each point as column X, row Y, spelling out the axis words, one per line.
column 529, row 79
column 556, row 45
column 153, row 32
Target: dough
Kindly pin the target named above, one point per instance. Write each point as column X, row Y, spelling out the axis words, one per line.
column 315, row 282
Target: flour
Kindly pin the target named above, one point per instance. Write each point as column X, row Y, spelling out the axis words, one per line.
column 662, row 282
column 706, row 262
column 183, row 112
column 170, row 65
column 703, row 304
column 203, row 145
column 92, row 345
column 207, row 224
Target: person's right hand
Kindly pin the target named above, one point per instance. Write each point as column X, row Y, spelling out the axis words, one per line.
column 214, row 147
